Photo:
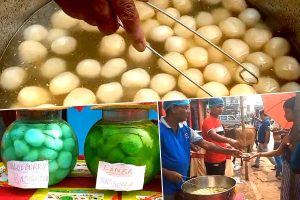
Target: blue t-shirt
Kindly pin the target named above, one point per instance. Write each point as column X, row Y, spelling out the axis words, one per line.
column 175, row 152
column 265, row 126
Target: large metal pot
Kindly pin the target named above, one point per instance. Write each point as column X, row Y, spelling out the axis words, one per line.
column 208, row 182
column 284, row 17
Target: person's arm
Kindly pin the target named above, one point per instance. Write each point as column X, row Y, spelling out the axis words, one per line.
column 213, row 147
column 219, row 138
column 172, row 176
column 267, row 135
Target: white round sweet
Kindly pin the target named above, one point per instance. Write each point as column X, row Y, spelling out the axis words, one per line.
column 35, row 32
column 162, row 83
column 88, row 68
column 277, row 46
column 80, row 96
column 232, row 67
column 113, row 68
column 212, row 2
column 232, row 27
column 165, row 20
column 144, row 10
column 214, row 88
column 160, row 33
column 211, row 32
column 197, row 57
column 186, row 86
column 266, row 85
column 173, row 95
column 241, row 90
column 112, row 46
column 12, row 78
column 63, row 83
column 183, row 6
column 204, row 18
column 220, row 14
column 181, row 31
column 32, row 51
column 59, row 19
column 46, row 105
column 247, row 77
column 53, row 67
column 140, row 58
column 236, row 48
column 110, row 92
column 31, row 96
column 163, row 4
column 135, row 78
column 262, row 60
column 214, row 55
column 176, row 44
column 55, row 33
column 236, row 6
column 87, row 27
column 146, row 95
column 176, row 59
column 257, row 38
column 287, row 68
column 64, row 45
column 148, row 25
column 250, row 16
column 290, row 87
column 218, row 73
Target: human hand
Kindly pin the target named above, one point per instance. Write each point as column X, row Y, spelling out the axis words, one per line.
column 236, row 153
column 173, row 176
column 251, row 157
column 286, row 140
column 236, row 144
column 195, row 147
column 105, row 13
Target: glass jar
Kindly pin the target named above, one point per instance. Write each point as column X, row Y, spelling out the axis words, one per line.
column 124, row 135
column 41, row 135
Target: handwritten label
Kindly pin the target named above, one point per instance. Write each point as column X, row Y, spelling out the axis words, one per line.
column 24, row 174
column 120, row 177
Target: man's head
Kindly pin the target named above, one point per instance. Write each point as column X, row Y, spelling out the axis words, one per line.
column 262, row 114
column 178, row 110
column 288, row 108
column 216, row 106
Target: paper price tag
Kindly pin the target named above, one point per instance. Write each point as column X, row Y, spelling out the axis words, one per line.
column 24, row 174
column 120, row 177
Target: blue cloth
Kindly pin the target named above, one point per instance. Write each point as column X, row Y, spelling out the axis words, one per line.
column 169, row 104
column 175, row 154
column 265, row 126
column 212, row 102
column 295, row 159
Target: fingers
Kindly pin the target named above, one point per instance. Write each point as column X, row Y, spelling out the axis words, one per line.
column 104, row 16
column 74, row 8
column 127, row 13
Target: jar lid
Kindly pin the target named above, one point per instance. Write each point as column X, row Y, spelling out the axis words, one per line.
column 111, row 106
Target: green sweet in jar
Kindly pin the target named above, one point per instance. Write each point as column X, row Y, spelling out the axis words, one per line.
column 34, row 137
column 60, row 173
column 6, row 141
column 133, row 160
column 53, row 130
column 131, row 144
column 93, row 164
column 53, row 143
column 33, row 155
column 66, row 130
column 116, row 156
column 48, row 154
column 64, row 159
column 21, row 148
column 18, row 132
column 69, row 144
column 9, row 154
column 53, row 166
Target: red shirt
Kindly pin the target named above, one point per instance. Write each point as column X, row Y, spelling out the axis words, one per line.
column 210, row 123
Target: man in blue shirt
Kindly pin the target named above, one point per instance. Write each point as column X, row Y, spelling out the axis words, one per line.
column 176, row 138
column 263, row 138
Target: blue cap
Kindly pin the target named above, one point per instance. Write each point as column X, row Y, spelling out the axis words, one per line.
column 212, row 102
column 169, row 104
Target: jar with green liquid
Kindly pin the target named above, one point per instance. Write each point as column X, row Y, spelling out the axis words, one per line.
column 41, row 135
column 124, row 135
